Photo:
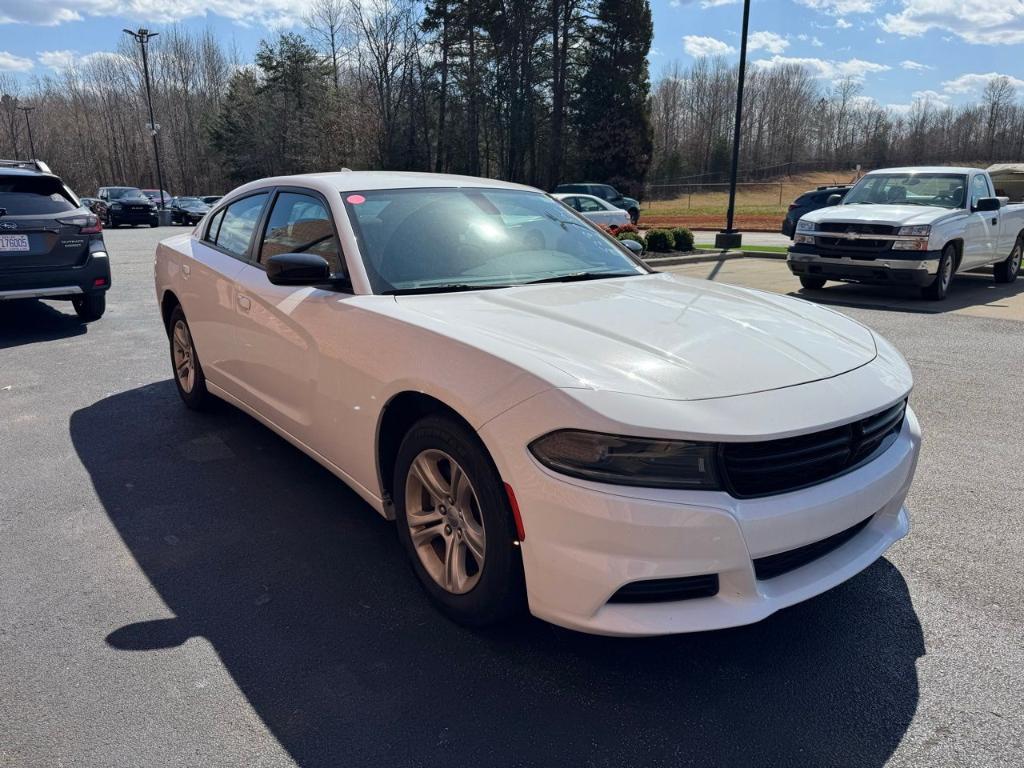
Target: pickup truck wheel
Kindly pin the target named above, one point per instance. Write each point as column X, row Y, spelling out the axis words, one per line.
column 188, row 373
column 455, row 523
column 1006, row 271
column 936, row 290
column 812, row 283
column 90, row 307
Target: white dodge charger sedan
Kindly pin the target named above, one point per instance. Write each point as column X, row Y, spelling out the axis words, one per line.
column 549, row 422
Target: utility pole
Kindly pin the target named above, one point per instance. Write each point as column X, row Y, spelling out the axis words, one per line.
column 28, row 125
column 142, row 37
column 729, row 237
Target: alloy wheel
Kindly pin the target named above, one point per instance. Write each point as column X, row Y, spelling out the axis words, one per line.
column 184, row 362
column 443, row 514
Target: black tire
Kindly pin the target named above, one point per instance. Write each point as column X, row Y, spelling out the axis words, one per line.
column 1006, row 271
column 499, row 592
column 937, row 289
column 812, row 283
column 634, row 215
column 154, row 224
column 195, row 394
column 90, row 306
column 112, row 222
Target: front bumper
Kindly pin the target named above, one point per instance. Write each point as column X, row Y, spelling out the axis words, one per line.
column 584, row 541
column 126, row 216
column 58, row 283
column 901, row 268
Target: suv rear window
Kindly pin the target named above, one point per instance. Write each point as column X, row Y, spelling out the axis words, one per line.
column 33, row 196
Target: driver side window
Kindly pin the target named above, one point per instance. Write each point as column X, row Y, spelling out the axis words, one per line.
column 301, row 223
column 979, row 189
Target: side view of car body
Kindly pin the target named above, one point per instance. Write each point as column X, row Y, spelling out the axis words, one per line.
column 547, row 421
column 810, row 201
column 595, row 209
column 128, row 205
column 607, row 193
column 51, row 246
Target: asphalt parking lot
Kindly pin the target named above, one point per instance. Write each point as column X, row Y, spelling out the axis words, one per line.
column 181, row 590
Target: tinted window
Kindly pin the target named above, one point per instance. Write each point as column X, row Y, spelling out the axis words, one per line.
column 116, row 193
column 238, row 224
column 33, row 195
column 215, row 220
column 301, row 224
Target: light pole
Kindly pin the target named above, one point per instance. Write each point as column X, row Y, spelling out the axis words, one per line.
column 142, row 37
column 28, row 125
column 729, row 237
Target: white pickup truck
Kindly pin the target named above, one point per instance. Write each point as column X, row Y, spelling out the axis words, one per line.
column 910, row 226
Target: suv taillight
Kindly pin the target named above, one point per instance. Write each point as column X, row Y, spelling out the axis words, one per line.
column 89, row 224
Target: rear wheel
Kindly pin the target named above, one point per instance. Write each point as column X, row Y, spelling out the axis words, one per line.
column 455, row 523
column 937, row 289
column 90, row 306
column 812, row 283
column 1006, row 271
column 188, row 373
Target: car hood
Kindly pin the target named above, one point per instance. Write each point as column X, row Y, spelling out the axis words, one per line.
column 895, row 215
column 658, row 335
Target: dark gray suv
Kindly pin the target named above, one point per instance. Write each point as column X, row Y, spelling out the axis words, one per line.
column 51, row 246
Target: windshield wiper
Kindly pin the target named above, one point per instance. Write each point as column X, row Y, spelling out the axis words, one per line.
column 575, row 277
column 449, row 288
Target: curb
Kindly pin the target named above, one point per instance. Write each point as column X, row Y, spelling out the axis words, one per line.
column 703, row 256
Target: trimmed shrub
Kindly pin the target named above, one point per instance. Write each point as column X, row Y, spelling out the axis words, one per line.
column 660, row 240
column 633, row 236
column 629, row 228
column 683, row 238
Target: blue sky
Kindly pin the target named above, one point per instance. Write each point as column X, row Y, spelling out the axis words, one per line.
column 899, row 49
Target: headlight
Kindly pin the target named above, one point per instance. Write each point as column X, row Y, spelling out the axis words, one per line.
column 925, row 230
column 805, row 239
column 628, row 460
column 804, row 226
column 115, row 206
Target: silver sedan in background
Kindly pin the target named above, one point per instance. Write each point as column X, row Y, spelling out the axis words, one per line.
column 595, row 209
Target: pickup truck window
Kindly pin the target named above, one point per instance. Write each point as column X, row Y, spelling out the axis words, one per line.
column 979, row 189
column 944, row 190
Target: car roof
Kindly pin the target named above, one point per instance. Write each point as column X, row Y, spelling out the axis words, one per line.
column 927, row 169
column 9, row 171
column 366, row 181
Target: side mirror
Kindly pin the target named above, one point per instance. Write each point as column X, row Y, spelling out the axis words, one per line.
column 834, row 200
column 298, row 269
column 634, row 246
column 988, row 204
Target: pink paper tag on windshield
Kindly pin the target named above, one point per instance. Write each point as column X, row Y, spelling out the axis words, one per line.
column 355, row 199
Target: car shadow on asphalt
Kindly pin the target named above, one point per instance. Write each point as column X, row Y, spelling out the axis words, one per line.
column 29, row 321
column 969, row 289
column 305, row 595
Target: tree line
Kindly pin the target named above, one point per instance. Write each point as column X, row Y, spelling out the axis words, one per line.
column 536, row 91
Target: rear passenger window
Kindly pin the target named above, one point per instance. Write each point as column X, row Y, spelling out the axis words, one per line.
column 301, row 223
column 238, row 223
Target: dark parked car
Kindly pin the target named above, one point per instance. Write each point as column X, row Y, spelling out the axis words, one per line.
column 810, row 201
column 605, row 192
column 128, row 205
column 187, row 210
column 95, row 205
column 51, row 246
column 154, row 195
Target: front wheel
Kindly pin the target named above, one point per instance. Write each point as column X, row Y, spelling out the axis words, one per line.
column 634, row 215
column 455, row 523
column 1006, row 271
column 188, row 372
column 812, row 283
column 937, row 289
column 90, row 306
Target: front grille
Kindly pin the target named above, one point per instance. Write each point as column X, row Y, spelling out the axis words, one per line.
column 860, row 229
column 667, row 590
column 778, row 466
column 775, row 565
column 839, row 246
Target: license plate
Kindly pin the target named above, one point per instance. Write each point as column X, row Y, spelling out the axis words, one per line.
column 13, row 242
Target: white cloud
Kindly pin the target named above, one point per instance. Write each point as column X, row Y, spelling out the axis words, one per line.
column 840, row 7
column 915, row 66
column 768, row 41
column 697, row 46
column 717, row 3
column 57, row 60
column 975, row 83
column 985, row 23
column 843, row 24
column 11, row 63
column 269, row 13
column 817, row 43
column 826, row 69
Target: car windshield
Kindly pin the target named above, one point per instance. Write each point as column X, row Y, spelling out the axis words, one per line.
column 119, row 192
column 31, row 195
column 945, row 190
column 424, row 240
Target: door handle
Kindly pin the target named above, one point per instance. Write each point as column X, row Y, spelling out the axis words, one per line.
column 186, row 270
column 244, row 303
